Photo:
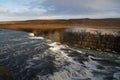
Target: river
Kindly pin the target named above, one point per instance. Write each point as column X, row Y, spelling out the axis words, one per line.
column 36, row 58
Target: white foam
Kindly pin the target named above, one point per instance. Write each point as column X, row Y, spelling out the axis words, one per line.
column 31, row 34
column 55, row 46
column 36, row 37
column 71, row 71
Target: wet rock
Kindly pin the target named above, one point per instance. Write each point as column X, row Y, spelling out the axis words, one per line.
column 98, row 40
column 109, row 78
column 108, row 62
column 78, row 56
column 80, row 79
column 100, row 67
column 5, row 73
column 116, row 76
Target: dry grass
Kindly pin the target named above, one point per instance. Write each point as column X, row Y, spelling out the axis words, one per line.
column 59, row 24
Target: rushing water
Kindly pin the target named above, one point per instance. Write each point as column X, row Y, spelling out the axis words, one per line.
column 35, row 58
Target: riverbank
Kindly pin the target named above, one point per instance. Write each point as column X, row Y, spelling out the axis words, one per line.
column 96, row 34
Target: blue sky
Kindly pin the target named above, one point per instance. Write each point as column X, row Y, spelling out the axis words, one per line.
column 58, row 9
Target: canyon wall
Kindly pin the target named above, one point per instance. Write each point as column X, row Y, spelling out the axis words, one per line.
column 104, row 40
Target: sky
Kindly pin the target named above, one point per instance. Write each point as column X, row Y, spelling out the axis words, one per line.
column 12, row 10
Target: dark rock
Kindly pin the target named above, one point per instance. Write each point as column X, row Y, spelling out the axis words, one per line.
column 5, row 73
column 108, row 78
column 99, row 41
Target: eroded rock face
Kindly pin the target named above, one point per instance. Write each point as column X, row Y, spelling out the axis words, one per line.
column 52, row 34
column 104, row 40
column 98, row 39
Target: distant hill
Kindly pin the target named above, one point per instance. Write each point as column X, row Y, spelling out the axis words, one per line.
column 108, row 23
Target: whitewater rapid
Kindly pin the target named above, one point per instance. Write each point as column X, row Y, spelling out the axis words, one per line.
column 36, row 58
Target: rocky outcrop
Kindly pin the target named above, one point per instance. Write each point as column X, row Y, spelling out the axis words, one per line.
column 52, row 34
column 5, row 73
column 97, row 40
column 104, row 40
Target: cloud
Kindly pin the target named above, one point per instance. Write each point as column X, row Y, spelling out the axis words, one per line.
column 39, row 9
column 19, row 13
column 79, row 6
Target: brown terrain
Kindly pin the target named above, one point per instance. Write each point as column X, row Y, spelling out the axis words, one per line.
column 5, row 73
column 61, row 23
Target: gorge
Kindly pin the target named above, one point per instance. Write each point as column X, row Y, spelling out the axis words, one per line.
column 97, row 34
column 24, row 56
column 97, row 39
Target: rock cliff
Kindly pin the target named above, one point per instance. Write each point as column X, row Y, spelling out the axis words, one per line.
column 104, row 40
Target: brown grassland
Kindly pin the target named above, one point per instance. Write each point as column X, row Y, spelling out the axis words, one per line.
column 110, row 23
